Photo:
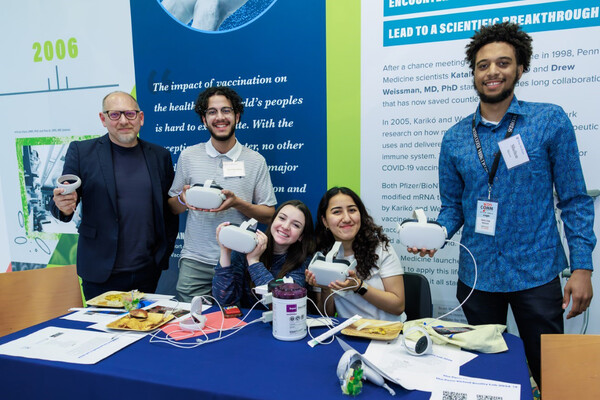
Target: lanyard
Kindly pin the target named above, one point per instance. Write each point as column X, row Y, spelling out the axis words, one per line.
column 492, row 173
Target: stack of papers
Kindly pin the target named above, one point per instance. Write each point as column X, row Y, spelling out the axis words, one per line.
column 437, row 372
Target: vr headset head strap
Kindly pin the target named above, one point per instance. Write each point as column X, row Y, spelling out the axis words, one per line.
column 333, row 252
column 211, row 183
column 420, row 216
column 249, row 225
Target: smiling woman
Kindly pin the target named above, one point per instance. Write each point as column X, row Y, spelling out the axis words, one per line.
column 376, row 288
column 283, row 251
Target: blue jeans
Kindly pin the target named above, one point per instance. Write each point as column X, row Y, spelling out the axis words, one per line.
column 537, row 311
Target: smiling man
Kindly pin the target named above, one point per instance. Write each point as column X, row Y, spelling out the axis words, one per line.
column 127, row 230
column 242, row 173
column 498, row 169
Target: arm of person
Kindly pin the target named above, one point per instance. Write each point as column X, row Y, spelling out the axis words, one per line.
column 178, row 204
column 171, row 220
column 181, row 184
column 259, row 274
column 577, row 212
column 63, row 206
column 451, row 191
column 390, row 299
column 228, row 282
column 260, row 212
column 579, row 288
column 225, row 257
column 321, row 296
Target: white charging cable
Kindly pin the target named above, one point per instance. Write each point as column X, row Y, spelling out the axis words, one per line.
column 154, row 338
column 326, row 317
column 474, row 281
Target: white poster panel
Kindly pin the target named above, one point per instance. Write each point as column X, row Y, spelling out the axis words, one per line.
column 416, row 84
column 60, row 59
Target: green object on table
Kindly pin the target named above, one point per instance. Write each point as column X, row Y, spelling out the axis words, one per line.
column 353, row 384
column 131, row 302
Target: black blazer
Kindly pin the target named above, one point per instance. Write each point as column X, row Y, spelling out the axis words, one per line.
column 91, row 160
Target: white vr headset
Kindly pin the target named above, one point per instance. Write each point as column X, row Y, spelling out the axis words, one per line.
column 239, row 238
column 196, row 321
column 328, row 269
column 420, row 233
column 206, row 196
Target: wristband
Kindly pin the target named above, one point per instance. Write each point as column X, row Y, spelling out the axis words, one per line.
column 362, row 289
column 359, row 286
column 179, row 199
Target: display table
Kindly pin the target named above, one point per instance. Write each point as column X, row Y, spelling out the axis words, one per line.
column 251, row 364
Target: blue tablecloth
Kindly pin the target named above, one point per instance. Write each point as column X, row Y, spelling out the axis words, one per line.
column 251, row 364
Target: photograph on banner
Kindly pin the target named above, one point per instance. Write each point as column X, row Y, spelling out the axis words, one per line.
column 416, row 84
column 41, row 162
column 216, row 16
column 280, row 78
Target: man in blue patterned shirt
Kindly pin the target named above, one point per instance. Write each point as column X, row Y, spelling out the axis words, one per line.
column 497, row 171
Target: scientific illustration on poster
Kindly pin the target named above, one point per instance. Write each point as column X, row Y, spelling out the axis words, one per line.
column 40, row 165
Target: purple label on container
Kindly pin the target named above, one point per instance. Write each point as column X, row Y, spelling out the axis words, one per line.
column 291, row 308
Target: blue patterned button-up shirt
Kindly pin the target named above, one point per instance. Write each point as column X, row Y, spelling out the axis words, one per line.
column 526, row 250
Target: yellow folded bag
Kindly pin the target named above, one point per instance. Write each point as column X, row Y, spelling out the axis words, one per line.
column 482, row 338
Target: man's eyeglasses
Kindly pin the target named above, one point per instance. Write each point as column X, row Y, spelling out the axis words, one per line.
column 212, row 112
column 116, row 115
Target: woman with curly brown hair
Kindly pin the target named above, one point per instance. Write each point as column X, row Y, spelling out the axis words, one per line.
column 376, row 288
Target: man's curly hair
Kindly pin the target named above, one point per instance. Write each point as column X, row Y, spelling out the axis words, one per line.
column 202, row 101
column 507, row 32
column 367, row 239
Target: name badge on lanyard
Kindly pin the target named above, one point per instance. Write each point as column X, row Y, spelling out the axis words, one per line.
column 487, row 213
column 233, row 169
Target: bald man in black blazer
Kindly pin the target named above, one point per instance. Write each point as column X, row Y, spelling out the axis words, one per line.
column 127, row 231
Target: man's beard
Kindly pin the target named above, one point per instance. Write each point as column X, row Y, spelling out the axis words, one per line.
column 498, row 98
column 221, row 138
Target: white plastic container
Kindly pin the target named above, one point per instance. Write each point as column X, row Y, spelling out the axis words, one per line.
column 289, row 312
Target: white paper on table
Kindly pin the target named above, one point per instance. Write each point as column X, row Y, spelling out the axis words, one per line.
column 157, row 297
column 68, row 345
column 468, row 388
column 415, row 372
column 94, row 315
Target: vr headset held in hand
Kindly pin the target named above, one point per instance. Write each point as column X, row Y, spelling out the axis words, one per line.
column 327, row 269
column 206, row 196
column 239, row 238
column 420, row 233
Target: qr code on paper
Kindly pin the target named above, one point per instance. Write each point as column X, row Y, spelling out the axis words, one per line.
column 453, row 396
